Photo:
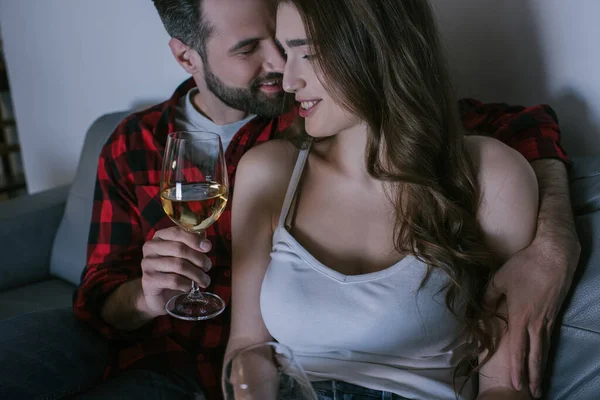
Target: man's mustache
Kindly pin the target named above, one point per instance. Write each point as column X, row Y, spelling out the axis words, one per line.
column 266, row 78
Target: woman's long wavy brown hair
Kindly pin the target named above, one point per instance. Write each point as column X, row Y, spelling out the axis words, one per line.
column 382, row 60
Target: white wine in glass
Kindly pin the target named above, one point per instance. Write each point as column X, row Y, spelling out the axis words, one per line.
column 194, row 190
column 195, row 206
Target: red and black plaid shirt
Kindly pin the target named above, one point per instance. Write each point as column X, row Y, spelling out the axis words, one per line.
column 127, row 212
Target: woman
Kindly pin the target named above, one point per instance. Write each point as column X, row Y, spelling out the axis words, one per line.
column 367, row 249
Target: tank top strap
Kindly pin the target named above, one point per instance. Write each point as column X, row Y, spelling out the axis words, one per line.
column 290, row 196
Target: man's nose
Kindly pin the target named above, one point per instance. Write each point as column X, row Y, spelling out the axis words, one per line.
column 275, row 61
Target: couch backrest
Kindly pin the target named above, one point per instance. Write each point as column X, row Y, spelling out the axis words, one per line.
column 70, row 244
column 574, row 367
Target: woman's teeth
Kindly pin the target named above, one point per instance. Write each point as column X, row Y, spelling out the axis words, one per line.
column 308, row 104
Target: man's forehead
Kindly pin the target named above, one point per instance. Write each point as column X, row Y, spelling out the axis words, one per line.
column 239, row 18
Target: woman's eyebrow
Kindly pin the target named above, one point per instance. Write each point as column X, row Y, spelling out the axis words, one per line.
column 297, row 42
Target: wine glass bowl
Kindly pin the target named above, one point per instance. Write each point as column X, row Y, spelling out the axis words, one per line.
column 194, row 189
column 265, row 371
column 209, row 201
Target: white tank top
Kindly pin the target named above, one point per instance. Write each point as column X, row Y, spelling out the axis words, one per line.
column 376, row 330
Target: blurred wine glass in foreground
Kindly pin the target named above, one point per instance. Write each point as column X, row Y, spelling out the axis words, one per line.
column 266, row 371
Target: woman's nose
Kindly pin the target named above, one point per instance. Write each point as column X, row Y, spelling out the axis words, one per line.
column 292, row 81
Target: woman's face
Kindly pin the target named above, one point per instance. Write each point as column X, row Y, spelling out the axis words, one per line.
column 323, row 116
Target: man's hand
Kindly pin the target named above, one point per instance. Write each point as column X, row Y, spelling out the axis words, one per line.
column 537, row 279
column 172, row 259
column 535, row 282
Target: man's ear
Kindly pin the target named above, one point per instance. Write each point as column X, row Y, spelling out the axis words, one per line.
column 186, row 56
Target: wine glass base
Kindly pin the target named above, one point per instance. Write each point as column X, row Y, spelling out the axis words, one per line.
column 191, row 308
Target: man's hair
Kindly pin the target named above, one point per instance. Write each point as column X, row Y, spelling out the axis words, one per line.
column 184, row 20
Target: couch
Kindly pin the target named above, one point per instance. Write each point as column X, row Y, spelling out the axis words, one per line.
column 43, row 237
column 43, row 242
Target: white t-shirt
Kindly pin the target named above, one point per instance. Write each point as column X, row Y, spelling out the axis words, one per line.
column 188, row 118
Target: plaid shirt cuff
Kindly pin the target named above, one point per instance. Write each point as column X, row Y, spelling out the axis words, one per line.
column 89, row 300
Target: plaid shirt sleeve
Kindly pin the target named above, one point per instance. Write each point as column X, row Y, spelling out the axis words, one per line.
column 532, row 131
column 115, row 241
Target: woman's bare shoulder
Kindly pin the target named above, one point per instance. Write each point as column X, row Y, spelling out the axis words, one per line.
column 499, row 167
column 272, row 161
column 509, row 195
column 264, row 172
column 274, row 152
column 488, row 153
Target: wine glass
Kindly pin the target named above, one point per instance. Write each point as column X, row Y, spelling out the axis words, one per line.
column 266, row 371
column 193, row 191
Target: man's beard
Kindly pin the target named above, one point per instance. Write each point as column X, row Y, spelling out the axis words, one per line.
column 251, row 100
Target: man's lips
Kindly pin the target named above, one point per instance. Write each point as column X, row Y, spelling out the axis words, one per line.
column 271, row 86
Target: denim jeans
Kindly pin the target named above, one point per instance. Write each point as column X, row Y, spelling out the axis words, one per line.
column 51, row 355
column 338, row 390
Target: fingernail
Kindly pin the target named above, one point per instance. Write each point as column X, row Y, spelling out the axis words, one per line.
column 518, row 385
column 538, row 393
column 207, row 265
column 205, row 245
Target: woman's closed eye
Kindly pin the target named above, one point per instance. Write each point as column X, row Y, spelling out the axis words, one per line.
column 284, row 54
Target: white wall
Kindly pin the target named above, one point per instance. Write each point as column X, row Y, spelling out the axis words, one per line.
column 529, row 52
column 72, row 60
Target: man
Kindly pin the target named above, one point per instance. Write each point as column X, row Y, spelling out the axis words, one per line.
column 137, row 259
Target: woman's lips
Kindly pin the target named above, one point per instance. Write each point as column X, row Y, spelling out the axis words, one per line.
column 308, row 107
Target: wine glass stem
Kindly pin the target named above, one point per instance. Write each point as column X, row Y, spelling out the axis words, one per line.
column 195, row 293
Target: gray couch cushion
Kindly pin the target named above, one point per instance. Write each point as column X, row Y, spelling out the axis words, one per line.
column 38, row 296
column 585, row 184
column 575, row 358
column 28, row 226
column 70, row 245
